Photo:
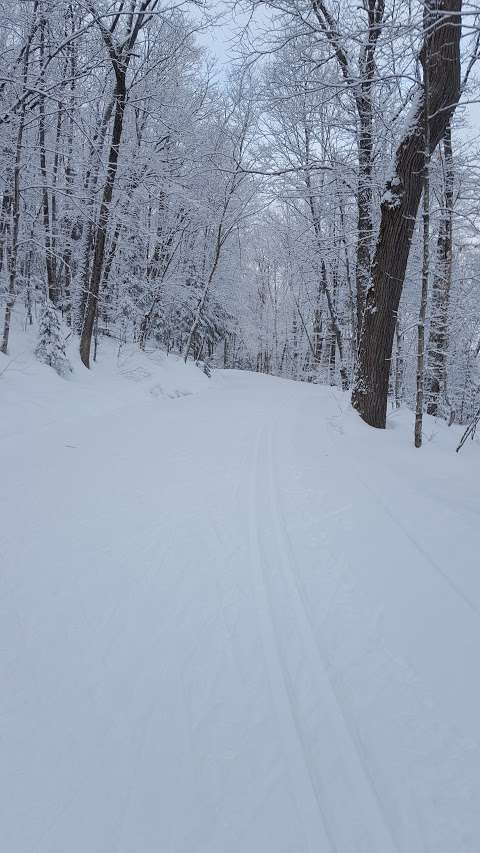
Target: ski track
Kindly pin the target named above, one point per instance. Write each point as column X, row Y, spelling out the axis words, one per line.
column 187, row 676
column 303, row 786
column 366, row 809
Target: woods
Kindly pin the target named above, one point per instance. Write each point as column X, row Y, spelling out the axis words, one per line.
column 239, row 426
column 261, row 216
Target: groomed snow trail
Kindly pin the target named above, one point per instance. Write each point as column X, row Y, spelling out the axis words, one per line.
column 231, row 624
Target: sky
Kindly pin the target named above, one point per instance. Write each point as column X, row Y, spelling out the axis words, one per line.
column 220, row 39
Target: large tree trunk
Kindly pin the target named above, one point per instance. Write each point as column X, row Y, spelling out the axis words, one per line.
column 438, row 337
column 399, row 210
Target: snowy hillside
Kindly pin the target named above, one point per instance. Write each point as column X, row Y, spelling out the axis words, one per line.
column 234, row 618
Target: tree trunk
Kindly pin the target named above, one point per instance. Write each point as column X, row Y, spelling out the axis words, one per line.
column 49, row 256
column 14, row 203
column 317, row 331
column 203, row 298
column 104, row 215
column 438, row 336
column 364, row 224
column 399, row 210
column 399, row 364
column 13, row 249
column 426, row 255
column 335, row 327
column 330, row 302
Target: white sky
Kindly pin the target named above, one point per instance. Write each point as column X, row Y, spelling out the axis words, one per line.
column 219, row 41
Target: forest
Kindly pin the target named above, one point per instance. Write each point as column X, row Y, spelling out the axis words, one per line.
column 303, row 205
column 239, row 426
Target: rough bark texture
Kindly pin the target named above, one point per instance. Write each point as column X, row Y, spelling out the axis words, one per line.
column 399, row 210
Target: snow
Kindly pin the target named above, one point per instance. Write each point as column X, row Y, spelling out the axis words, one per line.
column 390, row 199
column 234, row 618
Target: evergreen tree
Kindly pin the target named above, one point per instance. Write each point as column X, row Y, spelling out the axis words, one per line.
column 50, row 348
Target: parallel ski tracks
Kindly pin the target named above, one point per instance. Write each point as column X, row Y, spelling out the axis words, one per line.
column 367, row 826
column 303, row 788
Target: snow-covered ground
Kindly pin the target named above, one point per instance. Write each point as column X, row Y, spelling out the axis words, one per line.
column 234, row 619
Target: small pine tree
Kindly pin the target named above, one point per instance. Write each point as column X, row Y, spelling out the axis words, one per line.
column 50, row 348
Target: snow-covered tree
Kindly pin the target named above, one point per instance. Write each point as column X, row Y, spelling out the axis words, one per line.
column 50, row 348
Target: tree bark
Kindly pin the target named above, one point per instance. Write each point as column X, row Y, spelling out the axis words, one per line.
column 399, row 210
column 13, row 197
column 422, row 314
column 47, row 226
column 438, row 336
column 399, row 363
column 104, row 215
column 364, row 103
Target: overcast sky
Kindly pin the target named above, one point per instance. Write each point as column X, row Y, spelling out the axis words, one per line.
column 219, row 40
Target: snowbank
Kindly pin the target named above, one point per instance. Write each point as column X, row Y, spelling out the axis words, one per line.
column 33, row 396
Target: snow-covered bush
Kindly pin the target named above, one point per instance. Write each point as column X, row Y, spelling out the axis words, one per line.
column 50, row 348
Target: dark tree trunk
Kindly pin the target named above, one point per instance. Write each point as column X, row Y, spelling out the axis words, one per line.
column 104, row 215
column 399, row 210
column 11, row 202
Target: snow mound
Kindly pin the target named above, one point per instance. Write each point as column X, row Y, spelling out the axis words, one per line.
column 33, row 396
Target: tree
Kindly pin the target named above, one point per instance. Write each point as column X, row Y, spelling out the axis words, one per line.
column 441, row 50
column 119, row 50
column 50, row 348
column 438, row 335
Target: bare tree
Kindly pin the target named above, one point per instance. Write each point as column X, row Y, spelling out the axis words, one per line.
column 120, row 53
column 12, row 208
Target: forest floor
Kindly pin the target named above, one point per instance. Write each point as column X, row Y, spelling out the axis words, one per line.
column 234, row 619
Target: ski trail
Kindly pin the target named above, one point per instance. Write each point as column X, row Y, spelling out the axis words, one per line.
column 308, row 805
column 317, row 732
column 454, row 587
column 402, row 527
column 217, row 656
column 365, row 798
